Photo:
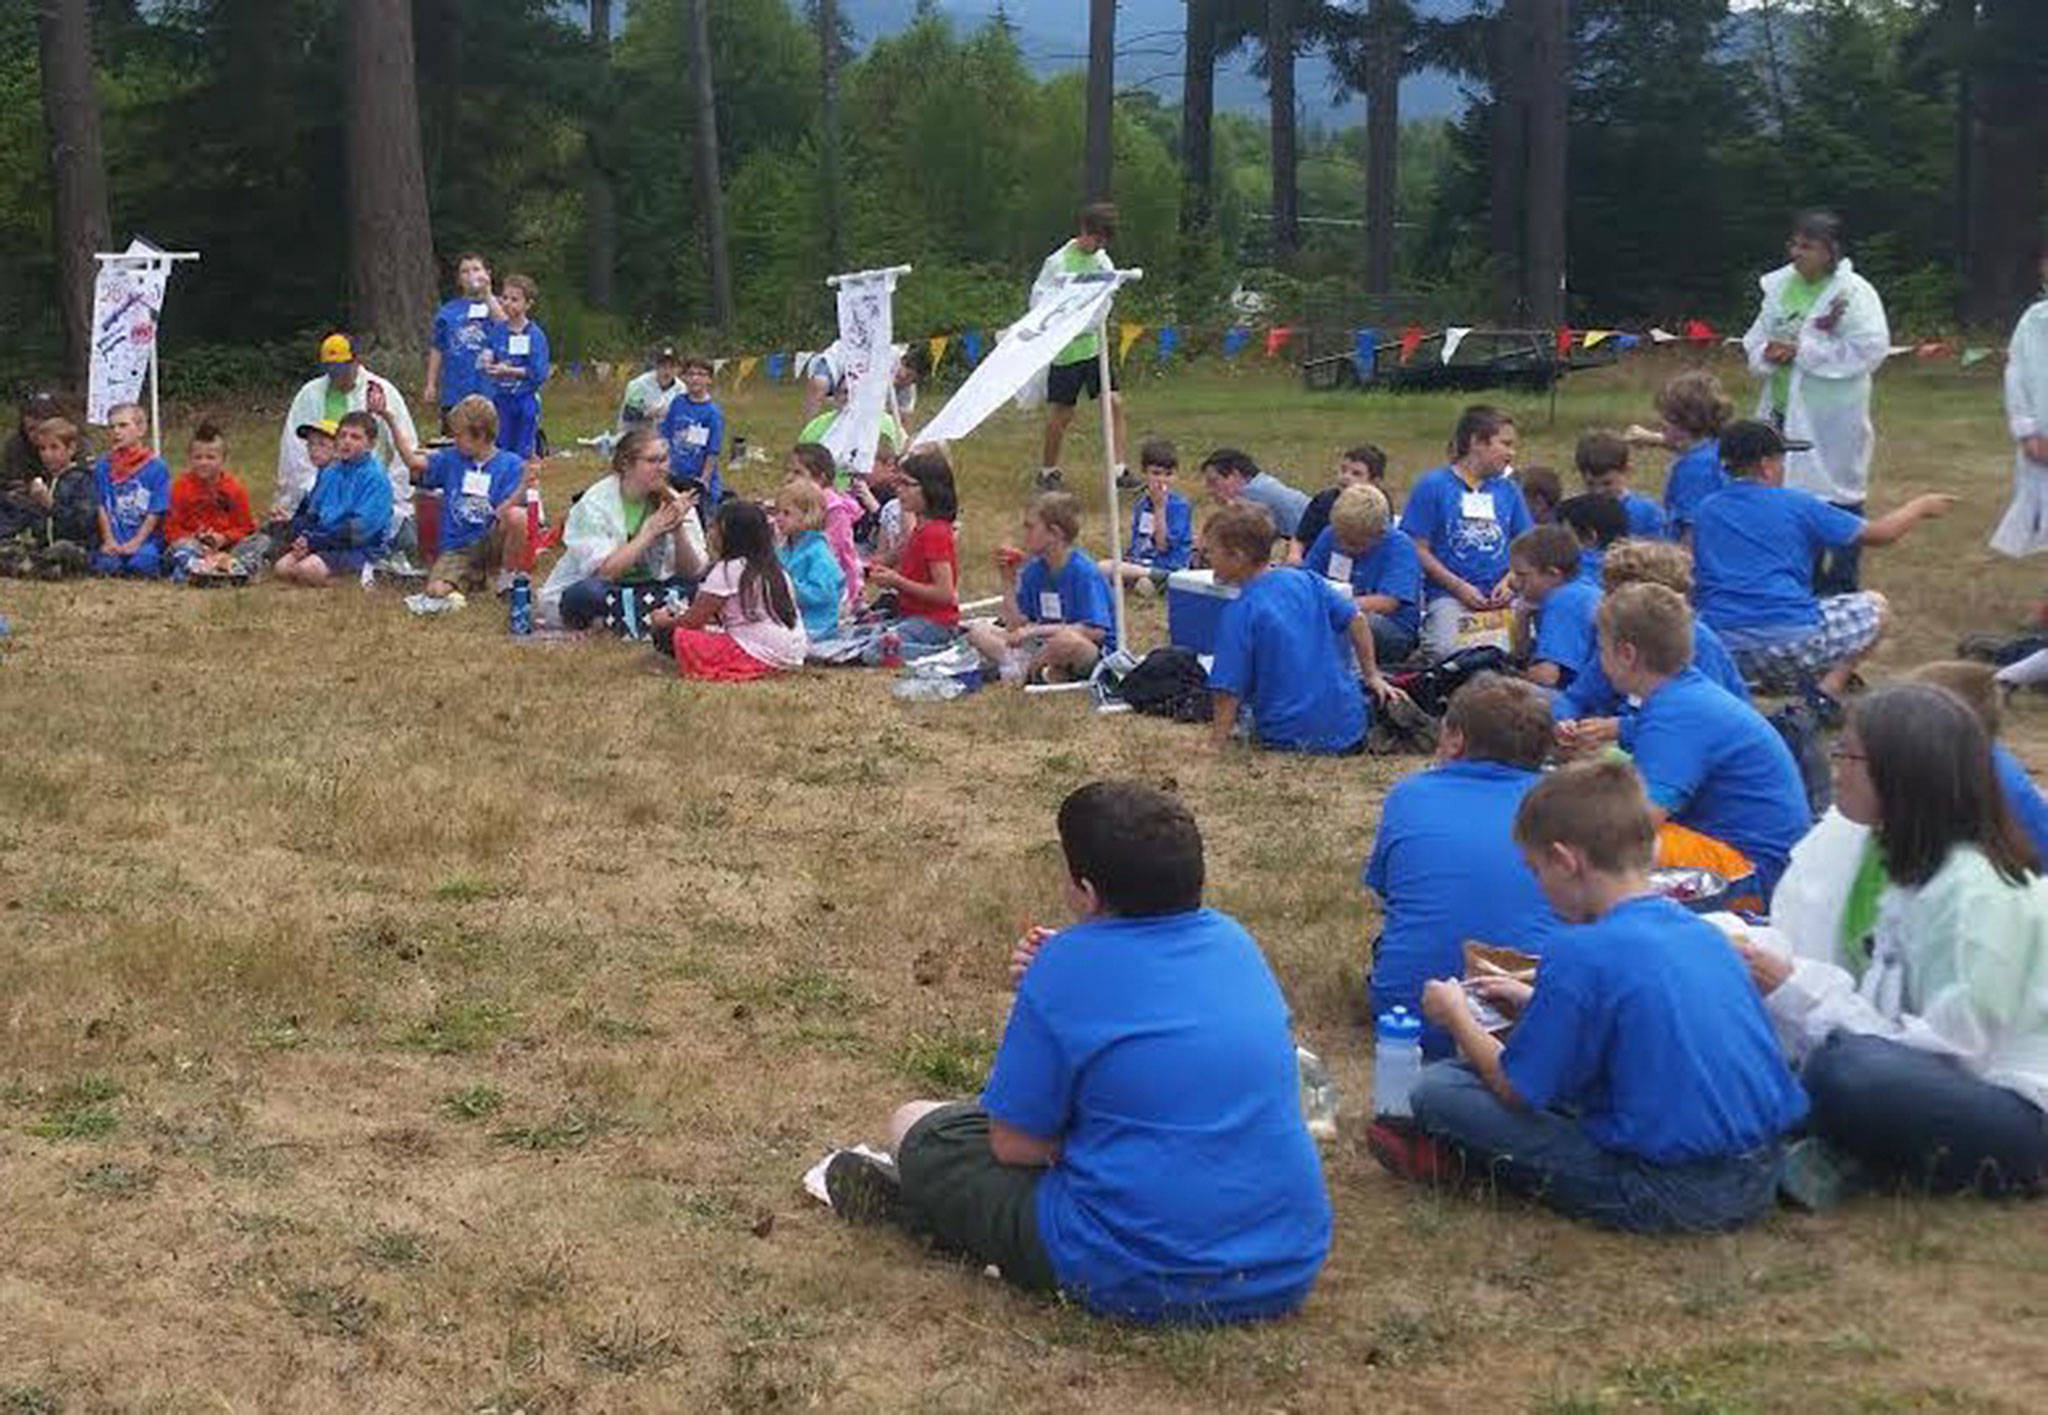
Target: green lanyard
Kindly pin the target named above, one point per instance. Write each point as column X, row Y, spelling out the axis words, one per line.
column 1859, row 910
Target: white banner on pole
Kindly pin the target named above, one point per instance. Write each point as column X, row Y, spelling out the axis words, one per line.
column 1028, row 347
column 867, row 360
column 127, row 300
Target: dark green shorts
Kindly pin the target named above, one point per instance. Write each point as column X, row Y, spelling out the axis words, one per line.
column 955, row 1191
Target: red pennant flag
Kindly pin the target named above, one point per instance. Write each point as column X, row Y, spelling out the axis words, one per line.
column 1698, row 331
column 1933, row 349
column 1277, row 338
column 1411, row 340
column 1564, row 342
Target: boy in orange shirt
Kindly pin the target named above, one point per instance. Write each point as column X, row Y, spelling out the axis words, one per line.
column 210, row 514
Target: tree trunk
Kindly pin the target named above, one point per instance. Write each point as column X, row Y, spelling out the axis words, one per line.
column 1197, row 136
column 1549, row 100
column 1101, row 153
column 1382, row 146
column 391, row 244
column 1280, row 41
column 78, row 170
column 710, row 198
column 2006, row 217
column 828, row 162
column 600, row 202
column 1507, row 159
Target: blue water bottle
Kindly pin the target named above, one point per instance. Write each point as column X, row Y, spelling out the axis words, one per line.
column 522, row 603
column 1396, row 1060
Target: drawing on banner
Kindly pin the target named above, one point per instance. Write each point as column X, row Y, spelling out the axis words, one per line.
column 128, row 300
column 867, row 358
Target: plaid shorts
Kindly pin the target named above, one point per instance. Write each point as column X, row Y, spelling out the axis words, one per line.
column 1778, row 663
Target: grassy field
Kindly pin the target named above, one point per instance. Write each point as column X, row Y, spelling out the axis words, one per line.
column 400, row 1018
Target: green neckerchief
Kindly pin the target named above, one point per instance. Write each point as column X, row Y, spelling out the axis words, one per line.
column 1859, row 909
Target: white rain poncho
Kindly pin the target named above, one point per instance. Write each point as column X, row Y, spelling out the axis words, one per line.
column 1840, row 344
column 596, row 527
column 2025, row 527
column 295, row 467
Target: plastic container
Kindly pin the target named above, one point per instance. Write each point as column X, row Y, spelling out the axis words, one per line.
column 1194, row 609
column 1396, row 1061
column 932, row 690
column 522, row 603
column 1318, row 1094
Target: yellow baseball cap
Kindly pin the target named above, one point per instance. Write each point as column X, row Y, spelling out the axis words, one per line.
column 335, row 349
column 326, row 427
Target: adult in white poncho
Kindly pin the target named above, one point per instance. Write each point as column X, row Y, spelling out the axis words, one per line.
column 344, row 387
column 628, row 534
column 2025, row 527
column 1818, row 336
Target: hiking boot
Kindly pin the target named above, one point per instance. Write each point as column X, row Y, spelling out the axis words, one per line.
column 62, row 560
column 863, row 1190
column 1407, row 1151
column 1815, row 1176
column 1049, row 479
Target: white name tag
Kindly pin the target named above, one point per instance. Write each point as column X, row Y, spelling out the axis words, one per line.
column 479, row 311
column 1340, row 567
column 1144, row 523
column 518, row 343
column 1476, row 506
column 476, row 482
column 1048, row 604
column 696, row 435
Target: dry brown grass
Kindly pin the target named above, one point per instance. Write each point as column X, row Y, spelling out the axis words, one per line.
column 397, row 1018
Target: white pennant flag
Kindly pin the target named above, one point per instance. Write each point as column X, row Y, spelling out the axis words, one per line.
column 1663, row 336
column 127, row 300
column 866, row 335
column 1452, row 339
column 1025, row 350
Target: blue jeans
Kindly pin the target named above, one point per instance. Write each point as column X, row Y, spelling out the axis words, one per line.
column 1549, row 1157
column 917, row 637
column 1918, row 1118
column 146, row 563
column 1391, row 644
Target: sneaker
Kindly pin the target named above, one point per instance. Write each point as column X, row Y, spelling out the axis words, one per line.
column 1407, row 1151
column 1827, row 708
column 1815, row 1176
column 1049, row 479
column 863, row 1190
column 1144, row 589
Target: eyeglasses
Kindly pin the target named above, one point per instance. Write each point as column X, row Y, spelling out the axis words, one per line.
column 1839, row 754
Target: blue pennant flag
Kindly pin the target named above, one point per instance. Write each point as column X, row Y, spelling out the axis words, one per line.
column 970, row 341
column 1365, row 353
column 778, row 365
column 1169, row 341
column 1234, row 340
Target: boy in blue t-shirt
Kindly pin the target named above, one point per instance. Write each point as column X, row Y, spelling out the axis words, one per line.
column 1140, row 1144
column 1056, row 605
column 1375, row 563
column 462, row 336
column 1553, row 632
column 1756, row 544
column 1162, row 531
column 694, row 428
column 1444, row 862
column 483, row 516
column 132, row 487
column 1708, row 760
column 517, row 363
column 1279, row 646
column 1602, row 460
column 1462, row 517
column 1642, row 1087
column 1692, row 408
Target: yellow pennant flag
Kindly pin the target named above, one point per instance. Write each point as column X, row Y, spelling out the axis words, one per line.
column 1596, row 337
column 936, row 346
column 746, row 370
column 1128, row 335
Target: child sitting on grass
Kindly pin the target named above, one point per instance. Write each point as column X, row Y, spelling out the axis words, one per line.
column 1977, row 685
column 799, row 517
column 1693, row 409
column 742, row 623
column 1598, row 522
column 1057, row 616
column 1280, row 646
column 926, row 576
column 58, row 513
column 1162, row 538
column 342, row 524
column 483, row 516
column 1542, row 493
column 1363, row 465
column 1642, row 1087
column 1553, row 631
column 133, row 488
column 1376, row 564
column 1602, row 460
column 210, row 517
column 812, row 462
column 1462, row 517
column 1139, row 1146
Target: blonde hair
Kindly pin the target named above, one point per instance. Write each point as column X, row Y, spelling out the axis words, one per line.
column 58, row 429
column 804, row 503
column 1652, row 618
column 1695, row 403
column 1057, row 511
column 1359, row 513
column 475, row 414
column 1648, row 562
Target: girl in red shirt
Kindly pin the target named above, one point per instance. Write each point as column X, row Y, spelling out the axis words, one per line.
column 926, row 578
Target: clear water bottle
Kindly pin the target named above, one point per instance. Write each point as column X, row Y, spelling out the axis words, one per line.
column 522, row 603
column 930, row 690
column 1318, row 1094
column 1396, row 1060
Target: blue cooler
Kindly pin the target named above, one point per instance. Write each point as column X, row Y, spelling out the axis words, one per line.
column 1194, row 609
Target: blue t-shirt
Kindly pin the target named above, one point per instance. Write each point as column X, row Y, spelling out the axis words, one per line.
column 462, row 331
column 1446, row 868
column 1389, row 568
column 1645, row 517
column 1077, row 595
column 533, row 356
column 1158, row 1052
column 1565, row 631
column 1280, row 651
column 696, row 435
column 1592, row 695
column 1282, row 502
column 1591, row 563
column 133, row 500
column 1753, row 548
column 471, row 492
column 1696, row 474
column 1646, row 1024
column 2022, row 797
column 1180, row 534
column 1712, row 763
column 1470, row 539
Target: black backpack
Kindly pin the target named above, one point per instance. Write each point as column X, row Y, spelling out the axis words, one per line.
column 1169, row 682
column 1431, row 687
